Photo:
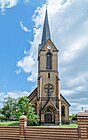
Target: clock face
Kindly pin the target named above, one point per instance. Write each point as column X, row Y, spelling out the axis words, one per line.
column 48, row 88
column 49, row 47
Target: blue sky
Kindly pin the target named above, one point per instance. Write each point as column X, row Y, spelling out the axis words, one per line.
column 21, row 24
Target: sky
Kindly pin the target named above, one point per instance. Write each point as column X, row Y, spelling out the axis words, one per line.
column 21, row 23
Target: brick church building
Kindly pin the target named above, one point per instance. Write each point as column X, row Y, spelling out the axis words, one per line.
column 49, row 103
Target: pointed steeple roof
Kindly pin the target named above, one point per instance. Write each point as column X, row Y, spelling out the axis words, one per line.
column 46, row 30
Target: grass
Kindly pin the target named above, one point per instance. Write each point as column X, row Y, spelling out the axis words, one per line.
column 68, row 126
column 9, row 123
column 16, row 123
column 60, row 126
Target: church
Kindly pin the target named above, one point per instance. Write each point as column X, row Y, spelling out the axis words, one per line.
column 50, row 105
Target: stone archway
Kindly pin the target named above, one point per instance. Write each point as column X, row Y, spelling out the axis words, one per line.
column 48, row 116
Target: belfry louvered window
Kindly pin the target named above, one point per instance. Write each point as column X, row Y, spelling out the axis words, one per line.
column 48, row 60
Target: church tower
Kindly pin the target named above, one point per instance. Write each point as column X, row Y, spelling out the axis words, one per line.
column 50, row 105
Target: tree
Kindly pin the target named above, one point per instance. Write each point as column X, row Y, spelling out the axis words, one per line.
column 25, row 108
column 14, row 108
column 33, row 119
column 73, row 117
column 9, row 108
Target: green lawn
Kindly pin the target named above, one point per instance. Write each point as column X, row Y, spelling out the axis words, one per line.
column 16, row 123
column 68, row 126
column 9, row 123
column 61, row 126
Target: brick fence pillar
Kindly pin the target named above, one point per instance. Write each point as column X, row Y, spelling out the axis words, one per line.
column 83, row 125
column 23, row 124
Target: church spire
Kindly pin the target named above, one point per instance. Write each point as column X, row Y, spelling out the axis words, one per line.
column 46, row 30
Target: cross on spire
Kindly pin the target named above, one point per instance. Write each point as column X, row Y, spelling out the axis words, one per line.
column 46, row 30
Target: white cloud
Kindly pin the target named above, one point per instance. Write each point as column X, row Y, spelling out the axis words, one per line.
column 18, row 71
column 2, row 95
column 77, row 107
column 80, row 80
column 33, row 76
column 24, row 28
column 77, row 46
column 17, row 94
column 12, row 94
column 67, row 92
column 7, row 4
column 29, row 65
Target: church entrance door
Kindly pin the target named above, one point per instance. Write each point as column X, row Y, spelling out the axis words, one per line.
column 48, row 118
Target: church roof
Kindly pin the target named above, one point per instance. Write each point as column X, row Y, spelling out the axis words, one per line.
column 34, row 94
column 65, row 99
column 46, row 31
column 51, row 103
column 51, row 42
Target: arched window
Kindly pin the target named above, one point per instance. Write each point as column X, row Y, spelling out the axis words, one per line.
column 48, row 60
column 63, row 110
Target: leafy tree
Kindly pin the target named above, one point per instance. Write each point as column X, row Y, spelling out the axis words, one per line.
column 73, row 117
column 8, row 111
column 33, row 119
column 14, row 108
column 24, row 107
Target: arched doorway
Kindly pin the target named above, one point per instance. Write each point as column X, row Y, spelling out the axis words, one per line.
column 48, row 116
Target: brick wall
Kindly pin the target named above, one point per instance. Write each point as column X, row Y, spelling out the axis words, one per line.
column 83, row 126
column 24, row 132
column 42, row 133
column 9, row 133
